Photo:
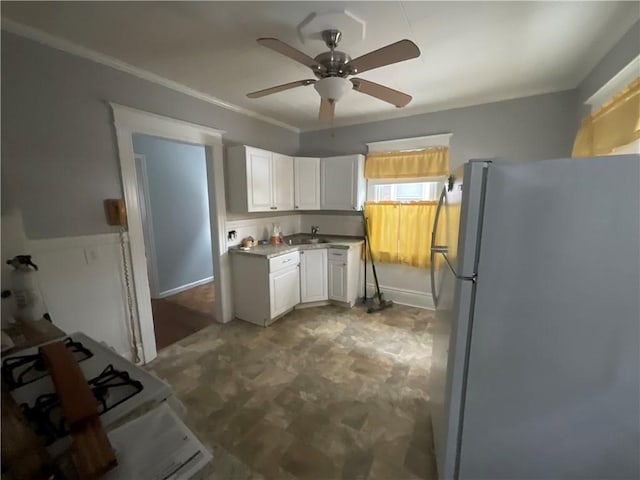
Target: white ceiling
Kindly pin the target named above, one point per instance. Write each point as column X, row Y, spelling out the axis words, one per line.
column 472, row 52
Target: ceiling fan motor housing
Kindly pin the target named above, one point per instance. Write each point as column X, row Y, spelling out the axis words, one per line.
column 334, row 63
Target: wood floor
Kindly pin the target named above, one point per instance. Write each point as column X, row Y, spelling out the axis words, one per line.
column 182, row 314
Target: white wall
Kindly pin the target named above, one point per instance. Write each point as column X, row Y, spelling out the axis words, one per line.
column 83, row 286
column 260, row 227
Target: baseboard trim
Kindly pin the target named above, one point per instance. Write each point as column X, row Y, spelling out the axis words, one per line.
column 411, row 298
column 320, row 303
column 182, row 288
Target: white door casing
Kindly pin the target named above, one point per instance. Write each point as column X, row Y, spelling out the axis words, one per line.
column 147, row 224
column 129, row 121
column 313, row 276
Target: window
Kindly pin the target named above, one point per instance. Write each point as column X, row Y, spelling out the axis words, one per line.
column 409, row 190
column 404, row 180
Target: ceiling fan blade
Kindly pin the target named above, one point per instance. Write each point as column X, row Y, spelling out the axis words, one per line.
column 280, row 88
column 386, row 94
column 289, row 51
column 394, row 53
column 327, row 109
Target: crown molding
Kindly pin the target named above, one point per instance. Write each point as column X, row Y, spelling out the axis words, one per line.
column 58, row 43
column 400, row 113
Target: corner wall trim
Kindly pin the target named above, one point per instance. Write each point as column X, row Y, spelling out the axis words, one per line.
column 182, row 288
column 64, row 45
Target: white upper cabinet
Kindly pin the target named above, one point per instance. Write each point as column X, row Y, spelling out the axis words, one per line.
column 283, row 182
column 342, row 182
column 258, row 180
column 307, row 183
column 261, row 181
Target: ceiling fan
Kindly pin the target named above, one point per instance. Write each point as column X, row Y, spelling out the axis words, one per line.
column 333, row 67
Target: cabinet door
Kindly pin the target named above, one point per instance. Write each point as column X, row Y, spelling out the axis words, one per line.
column 259, row 180
column 307, row 183
column 313, row 276
column 282, row 182
column 284, row 290
column 338, row 281
column 339, row 183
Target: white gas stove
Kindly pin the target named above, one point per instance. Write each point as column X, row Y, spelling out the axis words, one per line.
column 119, row 386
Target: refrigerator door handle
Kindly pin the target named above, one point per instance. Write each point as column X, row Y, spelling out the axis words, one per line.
column 436, row 248
column 473, row 277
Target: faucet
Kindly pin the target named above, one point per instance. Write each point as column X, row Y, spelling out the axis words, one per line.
column 314, row 231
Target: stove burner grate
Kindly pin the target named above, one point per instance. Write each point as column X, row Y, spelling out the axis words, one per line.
column 23, row 369
column 111, row 388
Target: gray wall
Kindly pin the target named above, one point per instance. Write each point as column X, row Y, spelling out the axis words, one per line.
column 179, row 200
column 531, row 128
column 627, row 48
column 59, row 157
column 623, row 52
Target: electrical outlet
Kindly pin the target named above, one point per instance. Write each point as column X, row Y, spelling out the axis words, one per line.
column 231, row 235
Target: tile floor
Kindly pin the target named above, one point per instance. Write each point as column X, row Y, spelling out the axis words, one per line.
column 323, row 393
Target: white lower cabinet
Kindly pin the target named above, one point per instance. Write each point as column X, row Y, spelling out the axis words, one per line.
column 338, row 280
column 284, row 290
column 313, row 276
column 266, row 288
column 344, row 274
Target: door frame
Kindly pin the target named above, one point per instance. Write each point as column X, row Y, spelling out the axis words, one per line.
column 129, row 121
column 147, row 223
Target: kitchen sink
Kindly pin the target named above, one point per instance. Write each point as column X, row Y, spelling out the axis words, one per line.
column 306, row 241
column 316, row 240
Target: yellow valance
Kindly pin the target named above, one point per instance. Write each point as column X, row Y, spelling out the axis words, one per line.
column 613, row 125
column 429, row 162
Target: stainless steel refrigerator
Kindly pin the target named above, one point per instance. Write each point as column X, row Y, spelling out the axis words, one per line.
column 536, row 363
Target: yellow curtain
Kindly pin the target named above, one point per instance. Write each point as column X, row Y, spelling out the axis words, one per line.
column 429, row 162
column 383, row 219
column 401, row 232
column 414, row 239
column 613, row 125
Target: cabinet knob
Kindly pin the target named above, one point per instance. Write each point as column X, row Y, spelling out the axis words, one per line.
column 296, row 206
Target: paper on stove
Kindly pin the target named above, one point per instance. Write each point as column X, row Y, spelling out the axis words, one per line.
column 156, row 446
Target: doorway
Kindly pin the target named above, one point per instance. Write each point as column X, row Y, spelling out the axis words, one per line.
column 127, row 122
column 174, row 206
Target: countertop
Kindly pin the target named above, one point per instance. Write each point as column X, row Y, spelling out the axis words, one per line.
column 269, row 251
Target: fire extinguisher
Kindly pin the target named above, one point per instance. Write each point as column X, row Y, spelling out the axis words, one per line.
column 28, row 302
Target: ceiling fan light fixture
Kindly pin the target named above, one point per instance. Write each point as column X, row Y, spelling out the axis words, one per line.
column 332, row 88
